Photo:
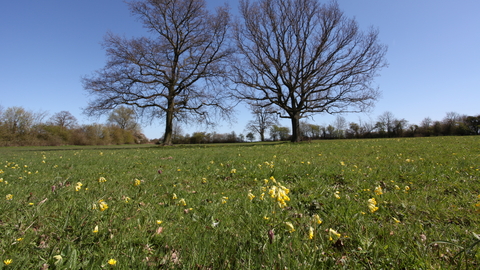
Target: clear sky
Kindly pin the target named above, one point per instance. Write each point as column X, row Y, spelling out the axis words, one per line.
column 46, row 46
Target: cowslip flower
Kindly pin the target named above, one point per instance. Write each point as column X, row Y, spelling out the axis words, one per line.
column 396, row 220
column 182, row 202
column 95, row 230
column 102, row 180
column 112, row 262
column 103, row 205
column 137, row 182
column 336, row 194
column 250, row 195
column 78, row 186
column 317, row 219
column 233, row 171
column 310, row 233
column 378, row 190
column 58, row 258
column 224, row 200
column 174, row 196
column 9, row 197
column 290, row 226
column 372, row 205
column 159, row 222
column 334, row 233
column 7, row 261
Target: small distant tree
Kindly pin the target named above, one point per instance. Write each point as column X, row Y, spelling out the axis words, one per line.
column 125, row 118
column 63, row 119
column 17, row 120
column 279, row 133
column 473, row 123
column 250, row 136
column 265, row 116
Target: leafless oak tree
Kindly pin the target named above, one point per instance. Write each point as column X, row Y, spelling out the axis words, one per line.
column 168, row 74
column 305, row 58
column 63, row 119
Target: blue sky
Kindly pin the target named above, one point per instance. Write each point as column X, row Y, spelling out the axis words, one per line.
column 46, row 46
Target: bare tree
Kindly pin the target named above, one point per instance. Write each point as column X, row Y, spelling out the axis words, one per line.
column 386, row 121
column 265, row 117
column 305, row 58
column 17, row 120
column 63, row 119
column 168, row 74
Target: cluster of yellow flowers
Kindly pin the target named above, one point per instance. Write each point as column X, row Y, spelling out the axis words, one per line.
column 78, row 186
column 9, row 197
column 279, row 193
column 102, row 180
column 372, row 205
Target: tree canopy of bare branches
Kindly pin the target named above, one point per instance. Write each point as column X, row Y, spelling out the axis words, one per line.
column 264, row 116
column 168, row 74
column 305, row 58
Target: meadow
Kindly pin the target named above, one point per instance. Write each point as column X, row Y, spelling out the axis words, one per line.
column 409, row 203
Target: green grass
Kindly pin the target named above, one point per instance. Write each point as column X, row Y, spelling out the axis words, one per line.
column 430, row 188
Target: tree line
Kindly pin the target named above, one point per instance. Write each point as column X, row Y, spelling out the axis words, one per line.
column 385, row 126
column 19, row 127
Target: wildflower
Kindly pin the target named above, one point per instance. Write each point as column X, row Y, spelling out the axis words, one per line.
column 174, row 196
column 95, row 230
column 112, row 261
column 102, row 180
column 397, row 187
column 290, row 226
column 342, row 163
column 396, row 220
column 250, row 195
column 378, row 190
column 333, row 232
column 407, row 188
column 266, row 218
column 204, row 180
column 8, row 261
column 233, row 171
column 9, row 197
column 137, row 182
column 78, row 186
column 31, row 203
column 58, row 258
column 262, row 196
column 19, row 239
column 127, row 199
column 336, row 195
column 182, row 202
column 310, row 233
column 159, row 222
column 372, row 205
column 103, row 206
column 317, row 219
column 224, row 200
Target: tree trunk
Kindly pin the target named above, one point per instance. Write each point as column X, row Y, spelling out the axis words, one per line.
column 295, row 128
column 167, row 139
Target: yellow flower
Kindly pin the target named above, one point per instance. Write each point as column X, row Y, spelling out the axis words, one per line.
column 233, row 171
column 372, row 205
column 310, row 233
column 333, row 232
column 204, row 180
column 9, row 197
column 290, row 226
column 336, row 195
column 112, row 261
column 342, row 163
column 397, row 187
column 262, row 196
column 174, row 196
column 396, row 220
column 250, row 195
column 378, row 190
column 95, row 230
column 127, row 199
column 137, row 182
column 102, row 180
column 182, row 202
column 58, row 258
column 19, row 239
column 266, row 218
column 318, row 220
column 103, row 206
column 8, row 261
column 224, row 200
column 407, row 188
column 159, row 222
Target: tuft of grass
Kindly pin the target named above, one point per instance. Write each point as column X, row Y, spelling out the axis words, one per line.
column 250, row 206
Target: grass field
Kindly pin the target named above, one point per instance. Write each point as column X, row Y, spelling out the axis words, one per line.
column 343, row 204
